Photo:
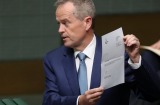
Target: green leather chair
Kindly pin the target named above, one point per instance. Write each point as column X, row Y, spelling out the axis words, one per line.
column 14, row 101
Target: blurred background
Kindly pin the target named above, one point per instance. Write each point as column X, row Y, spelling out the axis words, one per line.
column 28, row 30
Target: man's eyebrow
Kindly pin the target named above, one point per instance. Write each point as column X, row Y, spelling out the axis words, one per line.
column 63, row 20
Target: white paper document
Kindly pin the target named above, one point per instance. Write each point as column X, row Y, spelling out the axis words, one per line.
column 112, row 65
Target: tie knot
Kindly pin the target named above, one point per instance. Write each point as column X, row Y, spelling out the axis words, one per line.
column 81, row 56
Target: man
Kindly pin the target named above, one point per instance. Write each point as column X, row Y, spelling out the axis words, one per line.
column 75, row 18
column 153, row 60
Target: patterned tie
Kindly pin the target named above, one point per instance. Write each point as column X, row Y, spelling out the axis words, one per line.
column 82, row 73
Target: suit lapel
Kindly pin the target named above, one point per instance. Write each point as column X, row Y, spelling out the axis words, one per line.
column 96, row 70
column 70, row 70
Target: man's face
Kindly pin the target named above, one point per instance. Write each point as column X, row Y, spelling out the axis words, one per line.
column 71, row 29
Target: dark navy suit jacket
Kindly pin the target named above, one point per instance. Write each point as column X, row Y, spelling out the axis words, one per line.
column 153, row 60
column 62, row 88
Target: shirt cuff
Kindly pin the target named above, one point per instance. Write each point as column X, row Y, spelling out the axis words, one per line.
column 135, row 65
column 77, row 100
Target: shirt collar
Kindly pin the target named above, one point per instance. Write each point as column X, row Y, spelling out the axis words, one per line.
column 89, row 51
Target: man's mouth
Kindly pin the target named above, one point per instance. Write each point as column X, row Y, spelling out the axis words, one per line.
column 64, row 38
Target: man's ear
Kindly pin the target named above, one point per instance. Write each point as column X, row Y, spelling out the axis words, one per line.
column 88, row 22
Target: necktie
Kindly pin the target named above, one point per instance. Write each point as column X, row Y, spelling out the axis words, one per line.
column 82, row 73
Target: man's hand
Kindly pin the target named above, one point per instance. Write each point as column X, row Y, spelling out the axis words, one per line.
column 91, row 96
column 132, row 46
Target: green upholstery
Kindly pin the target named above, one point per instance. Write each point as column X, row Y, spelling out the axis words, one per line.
column 19, row 101
column 8, row 102
column 1, row 103
column 14, row 101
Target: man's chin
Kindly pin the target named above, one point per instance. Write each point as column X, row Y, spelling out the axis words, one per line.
column 67, row 45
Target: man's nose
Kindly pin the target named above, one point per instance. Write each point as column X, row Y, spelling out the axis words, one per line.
column 61, row 28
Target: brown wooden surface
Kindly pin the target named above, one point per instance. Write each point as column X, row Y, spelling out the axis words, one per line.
column 145, row 26
column 21, row 77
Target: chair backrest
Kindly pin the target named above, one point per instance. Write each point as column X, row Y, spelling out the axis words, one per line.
column 14, row 101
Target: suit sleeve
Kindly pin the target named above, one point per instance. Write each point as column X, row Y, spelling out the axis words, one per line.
column 52, row 95
column 144, row 81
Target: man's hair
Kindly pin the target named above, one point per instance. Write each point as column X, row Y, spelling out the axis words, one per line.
column 83, row 8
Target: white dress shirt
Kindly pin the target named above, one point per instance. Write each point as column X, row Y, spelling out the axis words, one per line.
column 89, row 51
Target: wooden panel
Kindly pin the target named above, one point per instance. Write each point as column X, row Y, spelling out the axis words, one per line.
column 21, row 77
column 144, row 26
